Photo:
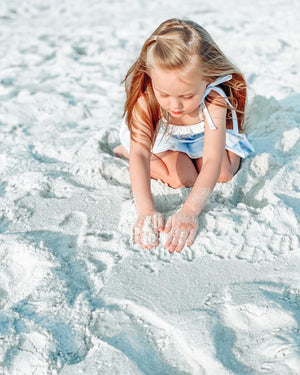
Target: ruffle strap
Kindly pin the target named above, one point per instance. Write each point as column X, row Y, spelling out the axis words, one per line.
column 214, row 86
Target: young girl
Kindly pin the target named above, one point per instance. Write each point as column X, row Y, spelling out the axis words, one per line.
column 184, row 114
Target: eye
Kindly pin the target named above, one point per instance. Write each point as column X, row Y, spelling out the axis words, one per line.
column 189, row 97
column 163, row 95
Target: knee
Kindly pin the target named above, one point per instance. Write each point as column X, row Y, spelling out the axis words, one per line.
column 173, row 168
column 225, row 176
column 176, row 182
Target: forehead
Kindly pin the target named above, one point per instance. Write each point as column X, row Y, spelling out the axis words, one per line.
column 178, row 81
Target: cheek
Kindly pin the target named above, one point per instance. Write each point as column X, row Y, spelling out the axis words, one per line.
column 161, row 101
column 195, row 102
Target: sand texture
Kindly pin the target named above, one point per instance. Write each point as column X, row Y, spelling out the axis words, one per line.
column 76, row 295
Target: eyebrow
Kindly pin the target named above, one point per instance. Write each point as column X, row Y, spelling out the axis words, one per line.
column 165, row 93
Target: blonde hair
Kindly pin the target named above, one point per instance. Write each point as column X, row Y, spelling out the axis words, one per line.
column 170, row 47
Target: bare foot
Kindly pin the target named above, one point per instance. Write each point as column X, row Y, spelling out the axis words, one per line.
column 121, row 152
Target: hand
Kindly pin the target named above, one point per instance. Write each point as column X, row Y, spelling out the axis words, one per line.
column 147, row 228
column 182, row 228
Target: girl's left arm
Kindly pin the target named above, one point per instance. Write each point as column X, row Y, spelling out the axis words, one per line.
column 182, row 226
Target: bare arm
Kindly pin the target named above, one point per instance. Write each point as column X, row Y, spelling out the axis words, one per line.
column 139, row 169
column 149, row 222
column 184, row 224
column 213, row 153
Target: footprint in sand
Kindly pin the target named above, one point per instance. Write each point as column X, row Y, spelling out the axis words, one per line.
column 99, row 251
column 256, row 327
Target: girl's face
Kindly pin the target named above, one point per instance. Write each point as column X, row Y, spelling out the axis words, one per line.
column 179, row 91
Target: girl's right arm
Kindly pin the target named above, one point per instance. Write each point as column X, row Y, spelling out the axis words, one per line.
column 149, row 222
column 139, row 169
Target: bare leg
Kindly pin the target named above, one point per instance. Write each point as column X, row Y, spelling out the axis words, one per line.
column 229, row 167
column 121, row 152
column 177, row 169
column 174, row 168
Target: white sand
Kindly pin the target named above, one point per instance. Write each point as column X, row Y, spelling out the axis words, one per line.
column 76, row 296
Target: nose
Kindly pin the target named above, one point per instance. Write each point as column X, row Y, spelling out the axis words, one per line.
column 175, row 104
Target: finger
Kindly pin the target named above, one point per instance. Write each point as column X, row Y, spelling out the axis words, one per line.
column 158, row 222
column 149, row 243
column 153, row 242
column 149, row 239
column 173, row 245
column 147, row 236
column 137, row 233
column 161, row 223
column 182, row 240
column 191, row 237
column 168, row 226
column 169, row 239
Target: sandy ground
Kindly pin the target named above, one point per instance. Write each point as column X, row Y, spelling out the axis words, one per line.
column 76, row 296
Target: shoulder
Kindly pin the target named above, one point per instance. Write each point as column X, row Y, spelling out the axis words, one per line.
column 215, row 112
column 216, row 104
column 214, row 98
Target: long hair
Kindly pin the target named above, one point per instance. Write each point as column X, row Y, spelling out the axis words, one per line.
column 170, row 47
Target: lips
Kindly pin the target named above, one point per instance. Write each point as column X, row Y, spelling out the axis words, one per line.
column 176, row 112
